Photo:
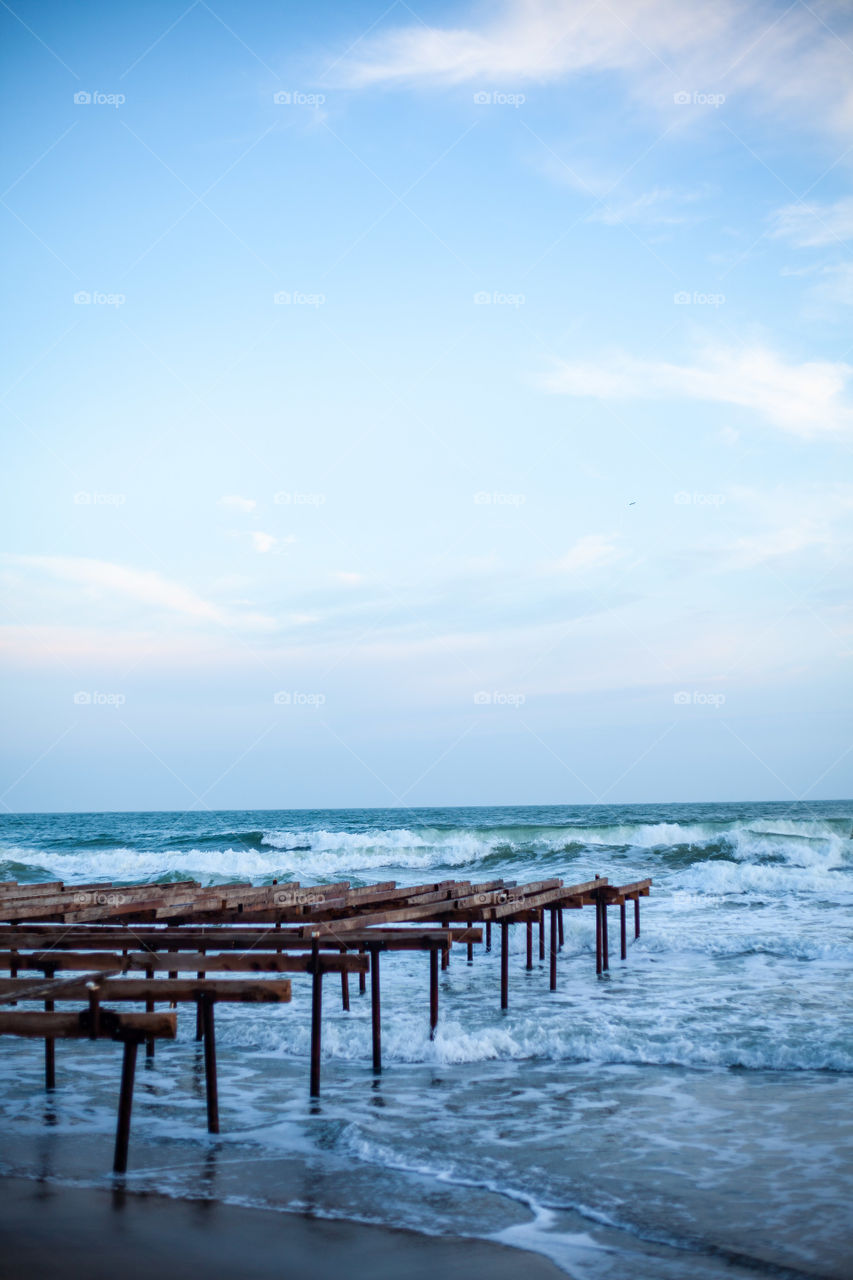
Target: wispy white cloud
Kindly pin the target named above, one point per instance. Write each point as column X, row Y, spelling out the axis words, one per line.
column 791, row 519
column 773, row 544
column 234, row 501
column 263, row 542
column 815, row 225
column 349, row 579
column 145, row 586
column 835, row 285
column 532, row 39
column 589, row 552
column 662, row 206
column 793, row 60
column 808, row 399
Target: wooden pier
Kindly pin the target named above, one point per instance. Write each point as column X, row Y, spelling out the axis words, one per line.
column 131, row 943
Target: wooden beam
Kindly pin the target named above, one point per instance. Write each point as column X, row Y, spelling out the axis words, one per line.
column 546, row 898
column 67, row 1026
column 240, row 990
column 186, row 961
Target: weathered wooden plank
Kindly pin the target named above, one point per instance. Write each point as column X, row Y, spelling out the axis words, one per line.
column 64, row 1026
column 241, row 990
column 183, row 961
column 251, row 898
column 13, row 989
column 547, row 898
column 82, row 904
column 617, row 893
column 14, row 891
column 188, row 938
column 423, row 911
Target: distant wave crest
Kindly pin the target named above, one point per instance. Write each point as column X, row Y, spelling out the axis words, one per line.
column 716, row 857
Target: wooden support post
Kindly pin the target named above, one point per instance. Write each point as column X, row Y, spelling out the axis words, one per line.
column 605, row 949
column 560, row 924
column 552, row 984
column 597, row 935
column 375, row 1009
column 316, row 1020
column 637, row 917
column 210, row 1064
column 199, row 1024
column 504, row 964
column 49, row 1043
column 488, row 935
column 362, row 977
column 623, row 931
column 541, row 933
column 470, row 945
column 445, row 957
column 529, row 929
column 344, row 985
column 433, row 991
column 125, row 1104
column 149, row 1008
column 94, row 1010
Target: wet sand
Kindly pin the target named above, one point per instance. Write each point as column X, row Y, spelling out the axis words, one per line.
column 48, row 1231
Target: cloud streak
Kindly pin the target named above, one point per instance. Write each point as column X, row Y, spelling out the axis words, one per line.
column 592, row 551
column 239, row 504
column 815, row 225
column 145, row 586
column 794, row 61
column 807, row 400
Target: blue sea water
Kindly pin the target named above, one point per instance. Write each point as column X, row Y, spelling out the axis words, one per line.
column 688, row 1114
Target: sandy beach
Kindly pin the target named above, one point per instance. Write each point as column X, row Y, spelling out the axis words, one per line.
column 50, row 1231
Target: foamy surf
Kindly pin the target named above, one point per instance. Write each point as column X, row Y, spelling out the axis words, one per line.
column 725, row 1038
column 205, row 848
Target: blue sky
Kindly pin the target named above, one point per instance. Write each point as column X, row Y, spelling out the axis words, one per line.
column 426, row 405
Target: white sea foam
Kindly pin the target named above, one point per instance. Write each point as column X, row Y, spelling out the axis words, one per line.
column 724, row 877
column 120, row 864
column 321, row 853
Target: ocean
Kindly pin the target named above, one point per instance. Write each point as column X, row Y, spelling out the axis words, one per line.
column 688, row 1114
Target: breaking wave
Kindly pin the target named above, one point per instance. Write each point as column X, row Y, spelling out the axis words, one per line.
column 759, row 854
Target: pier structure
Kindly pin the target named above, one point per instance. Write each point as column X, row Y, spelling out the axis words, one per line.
column 101, row 944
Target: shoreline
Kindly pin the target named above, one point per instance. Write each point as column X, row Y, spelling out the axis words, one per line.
column 88, row 1233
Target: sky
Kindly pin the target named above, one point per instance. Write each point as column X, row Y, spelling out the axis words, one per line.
column 426, row 405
